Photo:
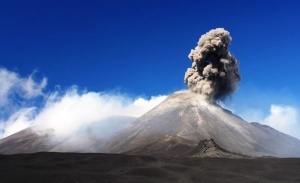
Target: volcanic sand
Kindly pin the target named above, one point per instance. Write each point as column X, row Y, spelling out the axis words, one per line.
column 87, row 167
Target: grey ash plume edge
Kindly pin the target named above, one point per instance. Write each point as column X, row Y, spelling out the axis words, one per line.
column 214, row 71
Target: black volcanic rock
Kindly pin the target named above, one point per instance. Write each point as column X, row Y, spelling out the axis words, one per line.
column 209, row 148
column 120, row 168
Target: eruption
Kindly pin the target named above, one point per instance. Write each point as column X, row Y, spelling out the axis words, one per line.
column 214, row 71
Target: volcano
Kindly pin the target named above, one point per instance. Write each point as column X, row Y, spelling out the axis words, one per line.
column 184, row 120
column 185, row 124
column 188, row 123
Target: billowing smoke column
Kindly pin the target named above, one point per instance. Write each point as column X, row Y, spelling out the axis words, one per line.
column 214, row 71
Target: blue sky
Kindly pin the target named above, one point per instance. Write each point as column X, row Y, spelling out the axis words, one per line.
column 140, row 48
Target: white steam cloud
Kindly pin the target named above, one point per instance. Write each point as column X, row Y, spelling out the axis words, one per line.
column 13, row 84
column 73, row 111
column 280, row 117
column 16, row 92
column 16, row 122
column 66, row 114
column 283, row 118
column 214, row 71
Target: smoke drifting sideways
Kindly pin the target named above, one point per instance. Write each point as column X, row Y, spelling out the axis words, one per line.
column 214, row 72
column 72, row 118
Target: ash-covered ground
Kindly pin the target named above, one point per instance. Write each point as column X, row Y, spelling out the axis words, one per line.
column 86, row 167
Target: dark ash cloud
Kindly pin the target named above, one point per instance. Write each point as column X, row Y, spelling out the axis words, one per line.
column 214, row 71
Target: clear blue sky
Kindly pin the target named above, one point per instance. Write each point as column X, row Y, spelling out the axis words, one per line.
column 141, row 47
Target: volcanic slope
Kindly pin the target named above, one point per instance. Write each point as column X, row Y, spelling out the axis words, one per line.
column 185, row 119
column 39, row 139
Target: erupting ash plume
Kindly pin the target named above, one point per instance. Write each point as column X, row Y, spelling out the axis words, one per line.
column 214, row 72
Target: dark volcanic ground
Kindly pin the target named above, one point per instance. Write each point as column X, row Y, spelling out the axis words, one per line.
column 74, row 167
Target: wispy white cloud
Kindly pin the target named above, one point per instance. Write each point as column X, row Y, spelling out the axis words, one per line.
column 16, row 92
column 7, row 80
column 281, row 117
column 72, row 111
column 68, row 113
column 65, row 113
column 17, row 121
column 13, row 84
column 31, row 88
